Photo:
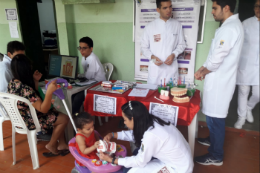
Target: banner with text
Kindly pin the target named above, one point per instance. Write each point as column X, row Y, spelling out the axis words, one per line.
column 187, row 13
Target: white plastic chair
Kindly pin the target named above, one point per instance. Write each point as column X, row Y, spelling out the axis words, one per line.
column 3, row 117
column 9, row 102
column 108, row 67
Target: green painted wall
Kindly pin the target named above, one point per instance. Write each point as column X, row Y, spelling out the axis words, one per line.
column 5, row 36
column 110, row 26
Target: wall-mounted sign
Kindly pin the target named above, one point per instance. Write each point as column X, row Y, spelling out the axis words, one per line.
column 11, row 14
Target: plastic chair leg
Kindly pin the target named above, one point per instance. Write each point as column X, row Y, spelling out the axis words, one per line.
column 2, row 148
column 31, row 135
column 106, row 119
column 100, row 122
column 13, row 145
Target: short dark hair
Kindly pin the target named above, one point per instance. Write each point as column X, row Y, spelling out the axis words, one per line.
column 87, row 40
column 13, row 46
column 230, row 3
column 158, row 3
column 142, row 119
column 82, row 119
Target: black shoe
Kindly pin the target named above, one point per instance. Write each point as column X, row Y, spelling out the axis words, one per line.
column 204, row 141
column 207, row 159
column 43, row 137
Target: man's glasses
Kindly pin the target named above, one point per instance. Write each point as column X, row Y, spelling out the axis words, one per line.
column 83, row 48
column 257, row 6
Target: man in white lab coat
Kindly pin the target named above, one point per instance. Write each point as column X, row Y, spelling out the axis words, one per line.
column 13, row 48
column 248, row 69
column 93, row 69
column 220, row 71
column 162, row 42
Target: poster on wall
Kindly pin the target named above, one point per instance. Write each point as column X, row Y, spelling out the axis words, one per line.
column 11, row 14
column 187, row 13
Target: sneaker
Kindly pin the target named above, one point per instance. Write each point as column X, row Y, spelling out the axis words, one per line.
column 249, row 116
column 204, row 141
column 207, row 159
column 43, row 137
column 240, row 122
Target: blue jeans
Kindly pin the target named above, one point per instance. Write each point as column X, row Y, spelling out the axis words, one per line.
column 217, row 135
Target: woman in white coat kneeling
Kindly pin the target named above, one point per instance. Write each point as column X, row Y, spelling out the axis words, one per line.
column 161, row 146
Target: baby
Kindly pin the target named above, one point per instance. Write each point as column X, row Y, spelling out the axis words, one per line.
column 87, row 141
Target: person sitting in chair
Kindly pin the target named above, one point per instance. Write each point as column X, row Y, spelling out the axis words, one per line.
column 25, row 84
column 93, row 69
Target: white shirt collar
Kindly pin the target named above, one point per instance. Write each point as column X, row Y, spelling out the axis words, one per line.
column 163, row 20
column 256, row 18
column 233, row 17
column 7, row 58
column 88, row 56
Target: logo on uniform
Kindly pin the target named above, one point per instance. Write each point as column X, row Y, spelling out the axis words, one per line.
column 222, row 42
column 157, row 37
column 164, row 170
column 142, row 148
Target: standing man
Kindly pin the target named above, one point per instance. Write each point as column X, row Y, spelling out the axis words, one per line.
column 13, row 48
column 162, row 42
column 248, row 69
column 220, row 71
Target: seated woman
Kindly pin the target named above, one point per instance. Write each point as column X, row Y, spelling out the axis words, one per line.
column 161, row 146
column 25, row 84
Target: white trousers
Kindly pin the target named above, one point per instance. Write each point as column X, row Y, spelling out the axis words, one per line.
column 153, row 166
column 243, row 103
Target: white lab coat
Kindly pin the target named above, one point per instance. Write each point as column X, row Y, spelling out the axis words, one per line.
column 248, row 69
column 93, row 69
column 223, row 58
column 5, row 73
column 161, row 39
column 166, row 144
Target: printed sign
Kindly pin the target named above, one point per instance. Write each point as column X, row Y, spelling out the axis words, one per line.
column 11, row 14
column 187, row 13
column 104, row 104
column 165, row 112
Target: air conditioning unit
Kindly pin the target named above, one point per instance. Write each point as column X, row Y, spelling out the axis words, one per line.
column 66, row 2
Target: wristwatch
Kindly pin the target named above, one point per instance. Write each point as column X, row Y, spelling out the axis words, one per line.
column 113, row 160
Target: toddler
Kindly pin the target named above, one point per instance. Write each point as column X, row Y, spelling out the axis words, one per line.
column 86, row 140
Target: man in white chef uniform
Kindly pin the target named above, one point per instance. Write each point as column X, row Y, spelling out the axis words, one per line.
column 220, row 71
column 248, row 69
column 162, row 42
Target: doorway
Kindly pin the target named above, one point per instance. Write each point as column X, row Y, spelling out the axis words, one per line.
column 38, row 30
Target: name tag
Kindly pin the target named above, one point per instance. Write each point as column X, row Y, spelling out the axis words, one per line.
column 157, row 37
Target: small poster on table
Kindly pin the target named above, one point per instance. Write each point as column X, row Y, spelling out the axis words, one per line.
column 165, row 112
column 104, row 104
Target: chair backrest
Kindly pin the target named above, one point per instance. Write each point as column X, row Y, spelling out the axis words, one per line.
column 9, row 102
column 3, row 113
column 108, row 67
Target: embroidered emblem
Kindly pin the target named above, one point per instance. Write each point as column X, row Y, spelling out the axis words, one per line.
column 142, row 148
column 222, row 42
column 164, row 170
column 157, row 38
